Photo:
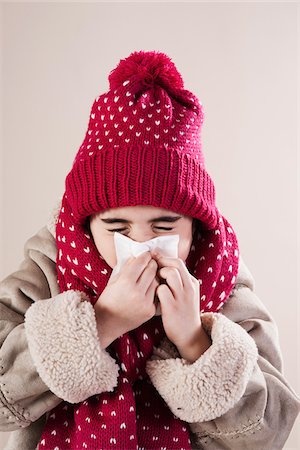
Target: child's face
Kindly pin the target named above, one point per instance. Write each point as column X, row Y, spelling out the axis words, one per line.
column 141, row 227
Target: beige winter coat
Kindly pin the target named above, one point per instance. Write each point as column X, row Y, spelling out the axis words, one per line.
column 234, row 397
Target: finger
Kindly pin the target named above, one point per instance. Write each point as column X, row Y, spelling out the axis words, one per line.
column 173, row 278
column 165, row 297
column 148, row 275
column 134, row 267
column 164, row 261
column 152, row 290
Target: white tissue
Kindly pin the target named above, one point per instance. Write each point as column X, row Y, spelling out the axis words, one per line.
column 126, row 247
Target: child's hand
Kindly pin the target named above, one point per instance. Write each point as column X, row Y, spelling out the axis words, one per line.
column 179, row 300
column 128, row 299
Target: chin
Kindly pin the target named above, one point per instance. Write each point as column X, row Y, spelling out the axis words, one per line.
column 157, row 303
column 158, row 311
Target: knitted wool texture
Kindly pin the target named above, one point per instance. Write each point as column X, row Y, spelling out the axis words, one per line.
column 142, row 147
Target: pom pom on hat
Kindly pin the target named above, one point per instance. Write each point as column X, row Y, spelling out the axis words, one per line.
column 146, row 69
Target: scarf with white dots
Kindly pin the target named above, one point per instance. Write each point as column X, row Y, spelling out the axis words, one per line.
column 134, row 415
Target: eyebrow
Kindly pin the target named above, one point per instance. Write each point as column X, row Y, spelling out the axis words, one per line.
column 156, row 219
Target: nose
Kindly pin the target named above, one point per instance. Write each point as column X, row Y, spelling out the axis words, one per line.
column 141, row 236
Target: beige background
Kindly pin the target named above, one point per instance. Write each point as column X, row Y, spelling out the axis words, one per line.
column 241, row 61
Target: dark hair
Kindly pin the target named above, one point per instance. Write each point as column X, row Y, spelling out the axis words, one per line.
column 198, row 226
column 86, row 225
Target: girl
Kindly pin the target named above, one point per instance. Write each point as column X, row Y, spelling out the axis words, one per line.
column 175, row 350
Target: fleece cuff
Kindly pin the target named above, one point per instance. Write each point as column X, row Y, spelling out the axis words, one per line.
column 64, row 343
column 215, row 382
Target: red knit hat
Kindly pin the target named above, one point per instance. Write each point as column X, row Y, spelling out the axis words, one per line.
column 142, row 146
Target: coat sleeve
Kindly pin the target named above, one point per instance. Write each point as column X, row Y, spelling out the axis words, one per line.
column 50, row 349
column 235, row 395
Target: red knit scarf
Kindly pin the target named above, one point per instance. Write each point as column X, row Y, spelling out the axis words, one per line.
column 134, row 415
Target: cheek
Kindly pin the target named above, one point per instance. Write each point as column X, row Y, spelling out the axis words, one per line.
column 105, row 245
column 107, row 250
column 184, row 247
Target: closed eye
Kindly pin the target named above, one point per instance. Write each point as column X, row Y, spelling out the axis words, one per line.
column 159, row 228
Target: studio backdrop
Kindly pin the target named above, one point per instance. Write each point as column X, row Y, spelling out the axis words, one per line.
column 239, row 58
